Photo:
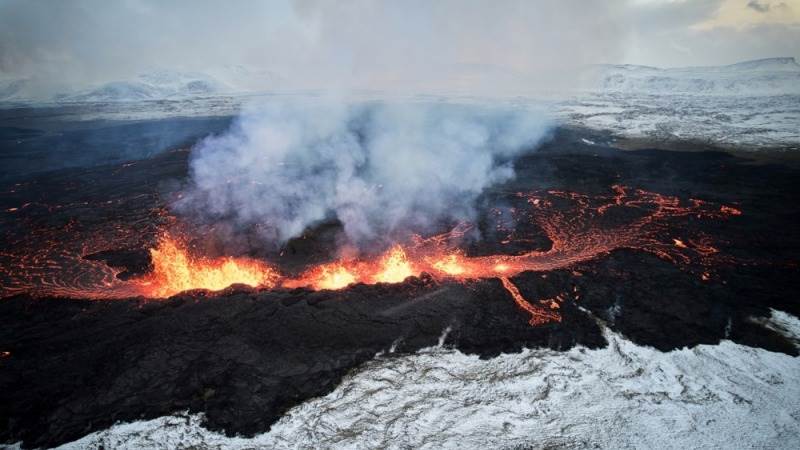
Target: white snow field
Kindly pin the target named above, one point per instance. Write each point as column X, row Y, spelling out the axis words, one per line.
column 621, row 396
column 749, row 106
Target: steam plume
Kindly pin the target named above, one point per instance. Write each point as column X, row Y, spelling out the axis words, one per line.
column 383, row 170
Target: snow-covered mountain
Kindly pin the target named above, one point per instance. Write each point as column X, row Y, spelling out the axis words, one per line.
column 772, row 76
column 749, row 105
column 26, row 90
column 156, row 84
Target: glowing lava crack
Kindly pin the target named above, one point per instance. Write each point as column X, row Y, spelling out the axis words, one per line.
column 580, row 228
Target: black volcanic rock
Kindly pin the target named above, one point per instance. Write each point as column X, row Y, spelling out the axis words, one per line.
column 243, row 357
column 135, row 262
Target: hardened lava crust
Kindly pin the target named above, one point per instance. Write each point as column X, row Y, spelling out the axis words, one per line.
column 669, row 248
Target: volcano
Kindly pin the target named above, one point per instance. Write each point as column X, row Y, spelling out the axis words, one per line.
column 115, row 308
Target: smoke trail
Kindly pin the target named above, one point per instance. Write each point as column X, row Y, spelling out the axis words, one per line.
column 383, row 170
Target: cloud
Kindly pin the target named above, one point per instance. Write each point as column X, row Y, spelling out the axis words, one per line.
column 507, row 47
column 758, row 6
column 466, row 45
column 710, row 32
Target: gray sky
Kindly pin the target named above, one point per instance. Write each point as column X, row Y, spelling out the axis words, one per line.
column 329, row 44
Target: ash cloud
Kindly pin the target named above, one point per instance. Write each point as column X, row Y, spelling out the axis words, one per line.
column 383, row 170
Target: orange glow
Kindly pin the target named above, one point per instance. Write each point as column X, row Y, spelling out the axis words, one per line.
column 540, row 315
column 395, row 267
column 174, row 271
column 439, row 255
column 501, row 267
column 332, row 276
column 730, row 210
column 48, row 264
column 451, row 264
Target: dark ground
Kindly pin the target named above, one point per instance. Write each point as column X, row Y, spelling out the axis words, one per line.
column 244, row 357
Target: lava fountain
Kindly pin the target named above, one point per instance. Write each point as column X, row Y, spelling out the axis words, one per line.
column 175, row 270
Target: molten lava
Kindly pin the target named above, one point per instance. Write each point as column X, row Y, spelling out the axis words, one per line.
column 175, row 270
column 730, row 210
column 540, row 313
column 394, row 267
column 450, row 264
column 579, row 227
column 326, row 276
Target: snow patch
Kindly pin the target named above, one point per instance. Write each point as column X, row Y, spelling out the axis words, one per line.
column 622, row 396
column 784, row 324
column 749, row 123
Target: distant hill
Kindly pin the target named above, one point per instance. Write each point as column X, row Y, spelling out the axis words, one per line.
column 770, row 76
column 158, row 84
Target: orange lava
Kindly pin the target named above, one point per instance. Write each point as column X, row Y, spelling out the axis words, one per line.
column 580, row 228
column 730, row 210
column 452, row 264
column 540, row 315
column 574, row 233
column 326, row 276
column 175, row 270
column 392, row 267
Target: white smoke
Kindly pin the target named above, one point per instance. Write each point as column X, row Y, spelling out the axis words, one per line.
column 383, row 170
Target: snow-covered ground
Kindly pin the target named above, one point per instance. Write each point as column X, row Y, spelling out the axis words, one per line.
column 621, row 396
column 764, row 77
column 744, row 122
column 750, row 105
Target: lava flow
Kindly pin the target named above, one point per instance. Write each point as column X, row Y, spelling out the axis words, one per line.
column 392, row 267
column 540, row 315
column 579, row 228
